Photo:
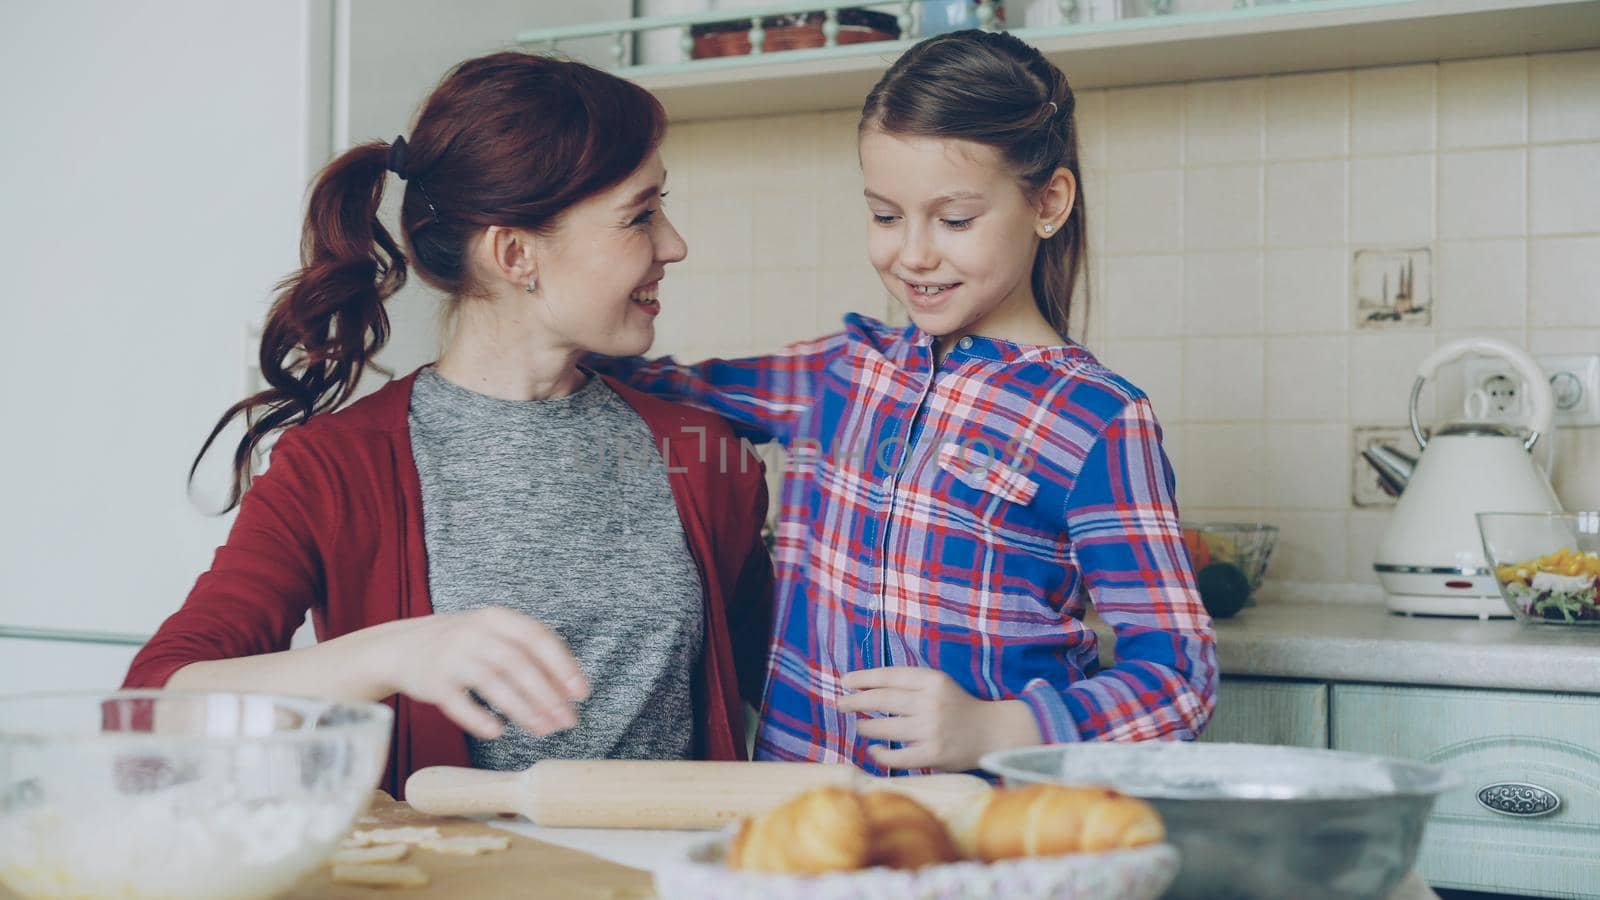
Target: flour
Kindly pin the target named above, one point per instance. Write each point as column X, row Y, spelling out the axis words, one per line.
column 170, row 844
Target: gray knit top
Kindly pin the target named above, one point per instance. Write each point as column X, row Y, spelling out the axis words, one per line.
column 561, row 509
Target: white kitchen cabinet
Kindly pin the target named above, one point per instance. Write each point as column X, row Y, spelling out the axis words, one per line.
column 1270, row 711
column 1495, row 740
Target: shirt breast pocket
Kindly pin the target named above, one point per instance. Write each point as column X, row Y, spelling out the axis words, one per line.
column 1001, row 488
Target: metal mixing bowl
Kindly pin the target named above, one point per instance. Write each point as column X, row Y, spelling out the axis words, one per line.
column 140, row 794
column 1254, row 821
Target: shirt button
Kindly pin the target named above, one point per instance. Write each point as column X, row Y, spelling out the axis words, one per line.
column 887, row 484
column 965, row 343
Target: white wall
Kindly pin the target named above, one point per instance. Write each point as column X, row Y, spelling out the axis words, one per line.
column 152, row 177
column 154, row 197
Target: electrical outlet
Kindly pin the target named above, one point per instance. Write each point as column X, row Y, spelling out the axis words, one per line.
column 1575, row 379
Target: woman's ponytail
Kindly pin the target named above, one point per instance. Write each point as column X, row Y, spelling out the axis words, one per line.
column 328, row 320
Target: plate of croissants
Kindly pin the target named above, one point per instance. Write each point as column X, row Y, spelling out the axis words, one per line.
column 1038, row 842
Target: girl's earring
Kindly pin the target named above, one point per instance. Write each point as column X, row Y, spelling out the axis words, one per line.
column 532, row 284
column 1049, row 229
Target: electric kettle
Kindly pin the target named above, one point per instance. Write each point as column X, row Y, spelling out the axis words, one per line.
column 1430, row 559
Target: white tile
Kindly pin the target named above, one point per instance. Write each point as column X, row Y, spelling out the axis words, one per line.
column 1307, row 379
column 1311, row 547
column 1308, row 115
column 1094, row 186
column 1308, row 467
column 1144, row 213
column 789, row 145
column 720, row 232
column 1483, row 193
column 1364, row 529
column 1307, row 291
column 1222, row 379
column 683, row 304
column 729, row 327
column 1564, row 287
column 785, row 234
column 1391, row 110
column 783, row 307
column 1565, row 183
column 1382, row 369
column 1483, row 102
column 1144, row 127
column 1089, row 113
column 1306, row 204
column 1222, row 293
column 1222, row 466
column 838, row 154
column 1564, row 88
column 1565, row 340
column 723, row 162
column 846, row 289
column 842, row 220
column 1155, row 367
column 1143, row 296
column 1087, row 321
column 1223, row 120
column 1482, row 284
column 1222, row 207
column 1391, row 200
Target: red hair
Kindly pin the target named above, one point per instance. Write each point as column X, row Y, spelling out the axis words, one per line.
column 508, row 139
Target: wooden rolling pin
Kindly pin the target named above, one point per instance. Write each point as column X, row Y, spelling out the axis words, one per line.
column 624, row 793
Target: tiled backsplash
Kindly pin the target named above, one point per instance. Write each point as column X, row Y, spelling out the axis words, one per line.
column 1224, row 218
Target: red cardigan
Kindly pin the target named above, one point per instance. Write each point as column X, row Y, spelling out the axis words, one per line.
column 334, row 526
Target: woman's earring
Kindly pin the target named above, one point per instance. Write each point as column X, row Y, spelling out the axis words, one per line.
column 532, row 283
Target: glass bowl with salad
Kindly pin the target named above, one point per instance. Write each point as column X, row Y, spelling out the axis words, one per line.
column 1546, row 564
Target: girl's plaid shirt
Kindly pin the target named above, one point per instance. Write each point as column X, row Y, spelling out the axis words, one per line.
column 954, row 515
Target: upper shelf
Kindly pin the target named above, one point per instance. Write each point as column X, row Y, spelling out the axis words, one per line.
column 1290, row 37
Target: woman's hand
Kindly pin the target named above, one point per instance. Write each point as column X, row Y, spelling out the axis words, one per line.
column 938, row 724
column 517, row 665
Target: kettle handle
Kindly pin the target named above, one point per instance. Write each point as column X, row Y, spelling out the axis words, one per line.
column 1540, row 395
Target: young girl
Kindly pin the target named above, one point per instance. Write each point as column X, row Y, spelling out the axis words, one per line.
column 529, row 562
column 954, row 487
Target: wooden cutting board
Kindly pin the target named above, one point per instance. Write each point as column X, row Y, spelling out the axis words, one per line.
column 529, row 868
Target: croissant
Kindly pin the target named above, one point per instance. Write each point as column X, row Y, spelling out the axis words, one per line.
column 905, row 834
column 832, row 829
column 1047, row 819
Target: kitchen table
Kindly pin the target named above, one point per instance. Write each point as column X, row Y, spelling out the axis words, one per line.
column 644, row 849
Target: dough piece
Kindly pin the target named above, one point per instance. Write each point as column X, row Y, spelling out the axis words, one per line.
column 377, row 853
column 380, row 875
column 366, row 838
column 468, row 845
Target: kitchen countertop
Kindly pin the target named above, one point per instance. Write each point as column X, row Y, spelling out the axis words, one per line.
column 1365, row 642
column 1353, row 637
column 645, row 849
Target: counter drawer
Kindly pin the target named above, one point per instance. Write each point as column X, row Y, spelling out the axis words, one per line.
column 1493, row 738
column 1269, row 711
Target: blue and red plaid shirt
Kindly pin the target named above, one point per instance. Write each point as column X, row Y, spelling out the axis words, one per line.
column 952, row 514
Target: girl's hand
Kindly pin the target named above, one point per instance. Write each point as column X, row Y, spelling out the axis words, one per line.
column 939, row 724
column 509, row 659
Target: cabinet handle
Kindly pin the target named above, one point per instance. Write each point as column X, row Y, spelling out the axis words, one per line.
column 1519, row 799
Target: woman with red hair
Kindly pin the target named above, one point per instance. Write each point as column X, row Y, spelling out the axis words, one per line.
column 525, row 559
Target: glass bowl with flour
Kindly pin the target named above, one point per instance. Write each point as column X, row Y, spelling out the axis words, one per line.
column 137, row 794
